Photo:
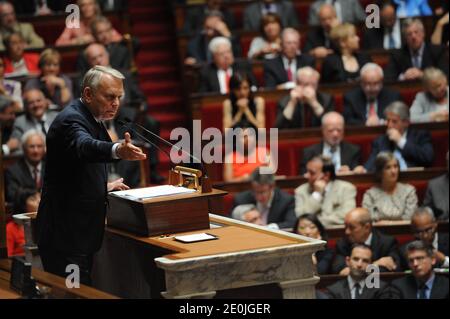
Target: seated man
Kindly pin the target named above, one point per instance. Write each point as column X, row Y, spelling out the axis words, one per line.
column 436, row 196
column 303, row 98
column 7, row 118
column 412, row 148
column 9, row 24
column 345, row 156
column 23, row 180
column 424, row 227
column 215, row 77
column 247, row 213
column 365, row 104
column 254, row 12
column 280, row 72
column 195, row 16
column 349, row 11
column 359, row 230
column 323, row 195
column 276, row 206
column 409, row 62
column 422, row 283
column 355, row 286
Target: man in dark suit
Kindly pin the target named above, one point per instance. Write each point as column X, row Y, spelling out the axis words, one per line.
column 349, row 11
column 365, row 104
column 71, row 215
column 424, row 227
column 254, row 12
column 359, row 230
column 409, row 62
column 276, row 207
column 318, row 43
column 345, row 156
column 388, row 36
column 215, row 77
column 355, row 286
column 436, row 196
column 423, row 283
column 412, row 148
column 304, row 106
column 23, row 179
column 280, row 72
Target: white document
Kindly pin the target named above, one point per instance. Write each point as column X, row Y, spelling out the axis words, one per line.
column 155, row 191
column 195, row 238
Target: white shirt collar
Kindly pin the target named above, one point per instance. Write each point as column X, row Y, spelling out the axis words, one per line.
column 368, row 241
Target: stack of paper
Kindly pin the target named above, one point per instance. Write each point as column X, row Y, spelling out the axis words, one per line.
column 155, row 191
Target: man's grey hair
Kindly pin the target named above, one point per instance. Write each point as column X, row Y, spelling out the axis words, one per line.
column 216, row 42
column 431, row 74
column 262, row 179
column 399, row 108
column 308, row 71
column 30, row 133
column 93, row 76
column 371, row 67
column 409, row 22
column 424, row 210
column 239, row 211
column 330, row 114
column 290, row 30
column 419, row 245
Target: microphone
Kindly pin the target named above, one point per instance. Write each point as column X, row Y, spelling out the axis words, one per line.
column 127, row 123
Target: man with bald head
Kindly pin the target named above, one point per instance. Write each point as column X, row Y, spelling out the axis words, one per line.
column 345, row 156
column 318, row 42
column 280, row 72
column 359, row 230
column 304, row 106
column 365, row 105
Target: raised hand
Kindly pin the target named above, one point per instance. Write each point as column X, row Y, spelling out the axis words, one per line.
column 128, row 151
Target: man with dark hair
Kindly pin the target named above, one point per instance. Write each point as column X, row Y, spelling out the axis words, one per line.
column 275, row 206
column 357, row 285
column 423, row 283
column 359, row 230
column 323, row 195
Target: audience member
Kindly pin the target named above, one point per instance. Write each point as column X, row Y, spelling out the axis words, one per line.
column 345, row 156
column 437, row 195
column 365, row 104
column 11, row 89
column 247, row 213
column 195, row 15
column 389, row 199
column 323, row 195
column 276, row 206
column 412, row 148
column 280, row 72
column 254, row 13
column 268, row 44
column 304, row 106
column 347, row 11
column 17, row 62
column 431, row 105
column 440, row 33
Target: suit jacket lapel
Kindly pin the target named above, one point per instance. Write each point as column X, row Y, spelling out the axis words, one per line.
column 26, row 172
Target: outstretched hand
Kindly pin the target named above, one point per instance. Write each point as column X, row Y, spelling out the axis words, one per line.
column 117, row 185
column 128, row 151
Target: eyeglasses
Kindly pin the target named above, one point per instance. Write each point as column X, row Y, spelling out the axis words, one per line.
column 428, row 230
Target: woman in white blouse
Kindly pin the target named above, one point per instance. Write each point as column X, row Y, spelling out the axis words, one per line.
column 431, row 105
column 389, row 199
column 267, row 46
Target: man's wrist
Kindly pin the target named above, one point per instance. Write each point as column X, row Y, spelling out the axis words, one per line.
column 114, row 151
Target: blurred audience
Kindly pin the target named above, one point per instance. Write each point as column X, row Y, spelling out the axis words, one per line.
column 195, row 15
column 347, row 11
column 254, row 13
column 268, row 44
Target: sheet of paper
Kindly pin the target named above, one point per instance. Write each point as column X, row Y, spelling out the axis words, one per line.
column 195, row 237
column 155, row 191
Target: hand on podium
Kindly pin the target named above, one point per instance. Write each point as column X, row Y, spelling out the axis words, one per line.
column 117, row 185
column 128, row 151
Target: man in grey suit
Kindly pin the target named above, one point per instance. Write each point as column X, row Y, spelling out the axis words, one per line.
column 436, row 196
column 346, row 10
column 9, row 24
column 37, row 116
column 255, row 11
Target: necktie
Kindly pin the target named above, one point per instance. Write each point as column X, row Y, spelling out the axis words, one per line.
column 37, row 180
column 372, row 109
column 357, row 288
column 391, row 41
column 227, row 81
column 43, row 127
column 416, row 62
column 289, row 72
column 423, row 291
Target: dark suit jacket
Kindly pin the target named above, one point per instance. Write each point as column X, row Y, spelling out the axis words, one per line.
column 355, row 103
column 285, row 10
column 275, row 73
column 324, row 261
column 209, row 82
column 71, row 215
column 374, row 38
column 350, row 155
column 400, row 60
column 407, row 287
column 341, row 290
column 282, row 210
column 381, row 245
column 333, row 68
column 119, row 58
column 28, row 7
column 195, row 16
column 418, row 150
column 316, row 38
column 20, row 184
column 442, row 247
column 303, row 115
column 436, row 196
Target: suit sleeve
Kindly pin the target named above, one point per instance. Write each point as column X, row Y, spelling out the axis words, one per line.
column 16, row 193
column 289, row 216
column 392, row 69
column 269, row 76
column 370, row 164
column 356, row 158
column 419, row 150
column 349, row 116
column 339, row 259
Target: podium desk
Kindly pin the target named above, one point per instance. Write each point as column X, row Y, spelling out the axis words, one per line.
column 243, row 256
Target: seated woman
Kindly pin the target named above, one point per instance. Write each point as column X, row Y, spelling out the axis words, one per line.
column 310, row 226
column 345, row 64
column 267, row 46
column 89, row 10
column 241, row 108
column 17, row 62
column 431, row 105
column 56, row 87
column 389, row 199
column 245, row 157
